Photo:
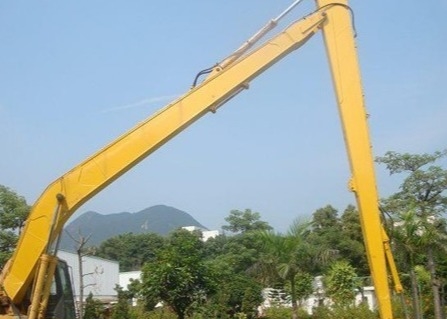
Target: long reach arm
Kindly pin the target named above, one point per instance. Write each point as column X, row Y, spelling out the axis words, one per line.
column 61, row 198
column 338, row 36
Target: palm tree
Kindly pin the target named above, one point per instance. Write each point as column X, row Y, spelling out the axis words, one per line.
column 286, row 256
column 419, row 204
column 413, row 235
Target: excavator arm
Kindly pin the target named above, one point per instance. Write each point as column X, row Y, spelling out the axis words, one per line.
column 340, row 47
column 61, row 198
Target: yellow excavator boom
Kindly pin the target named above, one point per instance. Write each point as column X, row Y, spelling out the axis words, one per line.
column 62, row 197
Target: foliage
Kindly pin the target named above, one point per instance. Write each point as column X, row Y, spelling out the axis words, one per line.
column 131, row 250
column 284, row 312
column 178, row 275
column 303, row 286
column 93, row 308
column 325, row 221
column 232, row 258
column 351, row 246
column 423, row 189
column 240, row 222
column 251, row 300
column 287, row 256
column 424, row 284
column 13, row 213
column 13, row 209
column 121, row 309
column 159, row 313
column 413, row 237
column 360, row 312
column 241, row 251
column 341, row 282
column 416, row 225
column 413, row 234
column 133, row 290
column 357, row 312
column 237, row 293
column 339, row 237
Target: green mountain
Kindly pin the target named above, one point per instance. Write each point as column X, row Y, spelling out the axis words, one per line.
column 158, row 219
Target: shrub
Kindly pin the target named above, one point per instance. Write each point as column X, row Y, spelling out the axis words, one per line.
column 284, row 312
column 360, row 312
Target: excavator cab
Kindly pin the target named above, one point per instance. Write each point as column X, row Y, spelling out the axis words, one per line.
column 61, row 300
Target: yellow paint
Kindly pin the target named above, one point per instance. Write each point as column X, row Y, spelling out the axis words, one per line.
column 61, row 199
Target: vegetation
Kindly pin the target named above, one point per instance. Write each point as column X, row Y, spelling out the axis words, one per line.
column 341, row 283
column 288, row 257
column 417, row 224
column 184, row 277
column 131, row 250
column 121, row 309
column 244, row 222
column 179, row 276
column 13, row 213
column 93, row 308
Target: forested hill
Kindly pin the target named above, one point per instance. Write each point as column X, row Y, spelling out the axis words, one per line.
column 158, row 219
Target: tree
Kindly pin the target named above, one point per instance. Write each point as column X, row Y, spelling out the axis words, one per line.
column 287, row 256
column 131, row 250
column 325, row 232
column 422, row 198
column 231, row 257
column 341, row 236
column 252, row 298
column 121, row 309
column 325, row 221
column 240, row 222
column 303, row 286
column 424, row 188
column 133, row 291
column 407, row 241
column 240, row 249
column 13, row 212
column 341, row 282
column 179, row 276
column 238, row 292
column 352, row 248
column 93, row 308
column 415, row 239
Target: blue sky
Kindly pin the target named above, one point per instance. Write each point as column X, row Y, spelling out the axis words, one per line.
column 77, row 74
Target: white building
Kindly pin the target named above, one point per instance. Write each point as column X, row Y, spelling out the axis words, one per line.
column 100, row 275
column 206, row 234
column 125, row 278
column 278, row 298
